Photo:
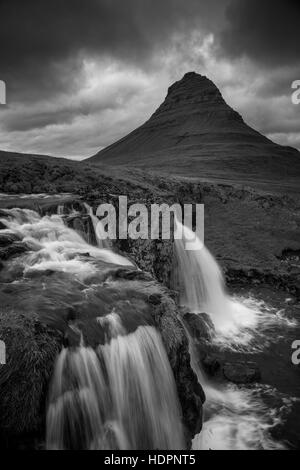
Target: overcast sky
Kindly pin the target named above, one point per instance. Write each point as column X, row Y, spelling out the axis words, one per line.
column 82, row 73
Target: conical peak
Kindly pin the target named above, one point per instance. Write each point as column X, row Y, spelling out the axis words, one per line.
column 192, row 92
column 195, row 83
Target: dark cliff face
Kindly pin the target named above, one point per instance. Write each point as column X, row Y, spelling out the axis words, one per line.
column 196, row 133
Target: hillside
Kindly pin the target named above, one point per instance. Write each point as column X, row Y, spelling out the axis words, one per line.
column 26, row 173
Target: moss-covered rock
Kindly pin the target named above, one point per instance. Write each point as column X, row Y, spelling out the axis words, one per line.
column 31, row 348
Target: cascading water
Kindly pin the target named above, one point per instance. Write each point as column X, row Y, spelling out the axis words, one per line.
column 55, row 246
column 120, row 393
column 121, row 396
column 202, row 287
column 98, row 228
column 234, row 418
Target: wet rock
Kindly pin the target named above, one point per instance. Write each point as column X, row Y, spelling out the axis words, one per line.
column 7, row 239
column 31, row 348
column 211, row 364
column 154, row 299
column 132, row 274
column 241, row 372
column 9, row 251
column 37, row 274
column 190, row 392
column 200, row 326
column 153, row 256
column 72, row 337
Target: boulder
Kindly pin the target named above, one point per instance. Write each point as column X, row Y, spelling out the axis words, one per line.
column 241, row 372
column 14, row 249
column 7, row 239
column 200, row 326
column 31, row 348
column 211, row 364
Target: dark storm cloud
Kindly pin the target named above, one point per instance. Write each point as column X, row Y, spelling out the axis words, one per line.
column 65, row 110
column 42, row 43
column 278, row 83
column 82, row 73
column 266, row 31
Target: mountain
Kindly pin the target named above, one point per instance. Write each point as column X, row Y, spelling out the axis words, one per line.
column 196, row 133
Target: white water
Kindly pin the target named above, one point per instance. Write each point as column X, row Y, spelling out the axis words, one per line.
column 54, row 246
column 239, row 322
column 122, row 396
column 98, row 228
column 34, row 196
column 234, row 418
column 202, row 289
column 238, row 420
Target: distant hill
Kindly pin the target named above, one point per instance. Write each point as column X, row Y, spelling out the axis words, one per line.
column 195, row 133
column 26, row 173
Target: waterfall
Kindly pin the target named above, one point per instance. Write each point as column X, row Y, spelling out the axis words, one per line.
column 98, row 229
column 234, row 418
column 120, row 393
column 202, row 286
column 56, row 246
column 102, row 241
column 121, row 396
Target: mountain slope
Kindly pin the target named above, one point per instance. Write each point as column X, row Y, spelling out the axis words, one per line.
column 195, row 133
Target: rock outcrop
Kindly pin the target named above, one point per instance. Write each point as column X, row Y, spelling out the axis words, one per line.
column 241, row 372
